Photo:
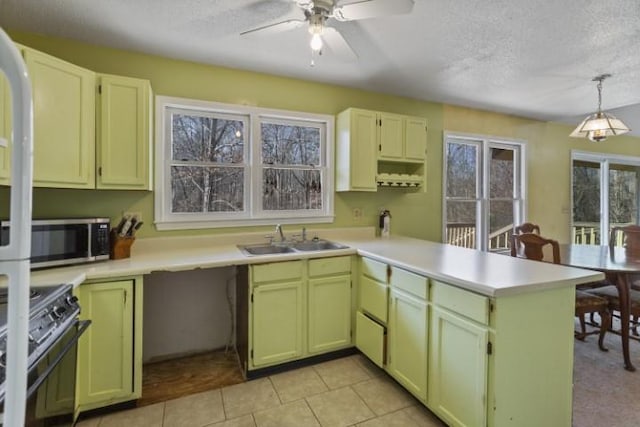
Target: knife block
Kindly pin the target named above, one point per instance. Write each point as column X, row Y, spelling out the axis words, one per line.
column 120, row 247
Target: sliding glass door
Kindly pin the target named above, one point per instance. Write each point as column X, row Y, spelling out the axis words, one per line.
column 605, row 195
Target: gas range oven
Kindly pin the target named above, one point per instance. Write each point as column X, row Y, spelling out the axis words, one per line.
column 54, row 330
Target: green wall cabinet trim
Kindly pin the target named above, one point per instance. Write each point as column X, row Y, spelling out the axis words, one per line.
column 370, row 339
column 408, row 332
column 64, row 122
column 124, row 119
column 329, row 311
column 377, row 148
column 458, row 369
column 298, row 309
column 5, row 131
column 110, row 351
column 277, row 323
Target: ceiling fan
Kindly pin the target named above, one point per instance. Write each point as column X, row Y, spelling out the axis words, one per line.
column 318, row 12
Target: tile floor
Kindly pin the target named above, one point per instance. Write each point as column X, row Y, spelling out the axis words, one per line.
column 344, row 392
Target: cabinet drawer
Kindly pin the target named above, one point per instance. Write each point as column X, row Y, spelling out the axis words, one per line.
column 370, row 338
column 374, row 269
column 327, row 266
column 373, row 298
column 410, row 282
column 473, row 306
column 277, row 271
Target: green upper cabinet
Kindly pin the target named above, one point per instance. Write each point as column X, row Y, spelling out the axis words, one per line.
column 391, row 136
column 5, row 131
column 64, row 122
column 379, row 149
column 356, row 150
column 415, row 138
column 123, row 133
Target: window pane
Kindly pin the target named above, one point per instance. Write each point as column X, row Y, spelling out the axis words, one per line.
column 207, row 189
column 290, row 145
column 501, row 173
column 501, row 214
column 586, row 202
column 207, row 139
column 623, row 194
column 461, row 224
column 462, row 170
column 287, row 189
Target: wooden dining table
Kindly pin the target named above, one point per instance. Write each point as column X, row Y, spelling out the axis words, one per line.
column 617, row 266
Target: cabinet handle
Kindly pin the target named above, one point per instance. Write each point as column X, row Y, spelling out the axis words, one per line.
column 99, row 170
column 124, row 297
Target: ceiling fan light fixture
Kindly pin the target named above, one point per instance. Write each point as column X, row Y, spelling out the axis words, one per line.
column 316, row 42
column 598, row 126
column 316, row 25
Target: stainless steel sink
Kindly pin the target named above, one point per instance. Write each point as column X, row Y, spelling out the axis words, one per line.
column 265, row 249
column 306, row 246
column 317, row 245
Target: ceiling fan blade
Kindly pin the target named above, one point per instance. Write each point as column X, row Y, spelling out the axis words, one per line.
column 366, row 9
column 338, row 44
column 278, row 27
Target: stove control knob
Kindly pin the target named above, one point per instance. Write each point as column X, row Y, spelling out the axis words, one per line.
column 72, row 300
column 58, row 312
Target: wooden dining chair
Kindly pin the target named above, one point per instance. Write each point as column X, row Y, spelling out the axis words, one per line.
column 531, row 246
column 630, row 237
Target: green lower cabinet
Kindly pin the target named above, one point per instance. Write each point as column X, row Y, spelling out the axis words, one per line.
column 407, row 351
column 458, row 369
column 277, row 323
column 329, row 313
column 109, row 352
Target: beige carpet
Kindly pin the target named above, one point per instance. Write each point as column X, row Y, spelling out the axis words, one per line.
column 604, row 393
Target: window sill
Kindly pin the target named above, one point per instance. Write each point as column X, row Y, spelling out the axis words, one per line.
column 195, row 225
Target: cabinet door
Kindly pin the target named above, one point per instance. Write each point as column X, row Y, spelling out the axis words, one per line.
column 415, row 138
column 277, row 323
column 356, row 150
column 407, row 361
column 5, row 131
column 122, row 154
column 458, row 369
column 64, row 122
column 105, row 351
column 329, row 311
column 391, row 136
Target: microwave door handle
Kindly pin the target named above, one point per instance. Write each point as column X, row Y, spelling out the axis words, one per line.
column 82, row 326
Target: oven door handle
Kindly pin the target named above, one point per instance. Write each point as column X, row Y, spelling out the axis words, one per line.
column 82, row 326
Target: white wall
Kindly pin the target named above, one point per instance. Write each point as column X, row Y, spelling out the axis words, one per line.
column 186, row 312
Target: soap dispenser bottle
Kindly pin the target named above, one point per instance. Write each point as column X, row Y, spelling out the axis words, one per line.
column 385, row 223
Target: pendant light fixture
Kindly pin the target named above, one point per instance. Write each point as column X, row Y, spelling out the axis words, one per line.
column 597, row 127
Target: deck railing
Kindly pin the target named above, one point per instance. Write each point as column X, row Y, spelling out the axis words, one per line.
column 464, row 234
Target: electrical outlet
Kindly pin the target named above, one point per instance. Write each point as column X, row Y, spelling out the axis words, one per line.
column 357, row 214
column 137, row 215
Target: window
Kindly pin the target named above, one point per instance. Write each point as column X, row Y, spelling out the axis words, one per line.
column 221, row 165
column 604, row 195
column 483, row 191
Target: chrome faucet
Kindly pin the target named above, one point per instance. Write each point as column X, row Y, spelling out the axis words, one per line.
column 279, row 230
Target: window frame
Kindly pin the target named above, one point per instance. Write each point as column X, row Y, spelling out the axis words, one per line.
column 484, row 144
column 253, row 214
column 604, row 160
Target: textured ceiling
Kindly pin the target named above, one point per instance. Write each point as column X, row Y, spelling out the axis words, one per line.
column 529, row 58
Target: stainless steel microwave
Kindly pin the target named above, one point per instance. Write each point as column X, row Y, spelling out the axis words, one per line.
column 56, row 242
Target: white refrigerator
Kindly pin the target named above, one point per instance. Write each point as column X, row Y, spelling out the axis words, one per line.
column 14, row 257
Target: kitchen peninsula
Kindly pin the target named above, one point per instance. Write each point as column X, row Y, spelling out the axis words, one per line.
column 497, row 332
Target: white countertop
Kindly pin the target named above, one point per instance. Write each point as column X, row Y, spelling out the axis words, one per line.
column 485, row 273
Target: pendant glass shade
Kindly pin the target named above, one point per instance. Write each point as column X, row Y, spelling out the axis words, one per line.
column 597, row 127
